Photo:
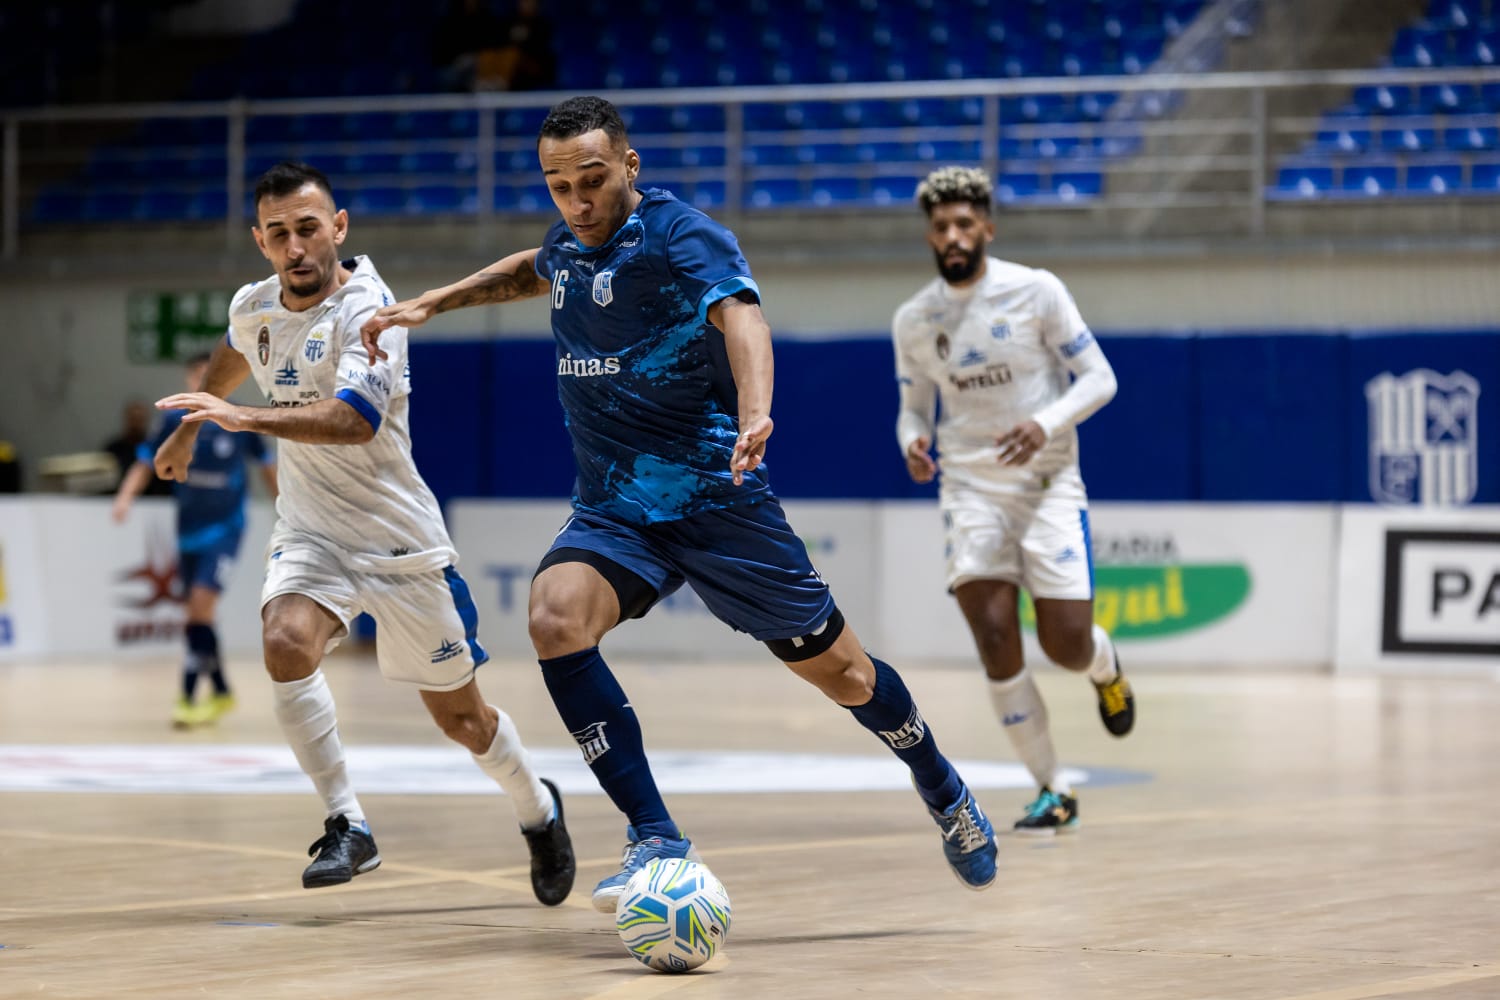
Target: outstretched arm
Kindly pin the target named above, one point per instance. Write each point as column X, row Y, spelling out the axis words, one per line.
column 747, row 339
column 506, row 280
column 328, row 421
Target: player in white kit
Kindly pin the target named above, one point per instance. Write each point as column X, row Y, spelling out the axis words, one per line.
column 357, row 528
column 996, row 343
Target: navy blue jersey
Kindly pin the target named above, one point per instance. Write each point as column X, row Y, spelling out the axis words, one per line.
column 211, row 504
column 643, row 376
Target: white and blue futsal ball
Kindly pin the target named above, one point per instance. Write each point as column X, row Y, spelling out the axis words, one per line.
column 673, row 914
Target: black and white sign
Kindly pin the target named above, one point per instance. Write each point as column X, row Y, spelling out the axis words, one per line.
column 1442, row 592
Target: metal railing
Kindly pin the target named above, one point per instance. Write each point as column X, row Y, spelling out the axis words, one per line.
column 1146, row 169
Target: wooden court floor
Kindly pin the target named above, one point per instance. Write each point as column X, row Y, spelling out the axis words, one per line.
column 1270, row 836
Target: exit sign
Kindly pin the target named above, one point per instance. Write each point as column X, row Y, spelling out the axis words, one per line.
column 173, row 326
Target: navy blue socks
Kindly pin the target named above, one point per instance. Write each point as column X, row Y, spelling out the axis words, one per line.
column 892, row 715
column 598, row 715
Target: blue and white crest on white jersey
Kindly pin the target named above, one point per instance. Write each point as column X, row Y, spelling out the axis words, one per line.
column 1423, row 438
column 1000, row 330
column 316, row 347
column 604, row 292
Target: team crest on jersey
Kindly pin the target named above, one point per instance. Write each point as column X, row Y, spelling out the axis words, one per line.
column 973, row 356
column 316, row 346
column 944, row 346
column 286, row 375
column 604, row 292
column 263, row 345
column 1423, row 438
column 1000, row 330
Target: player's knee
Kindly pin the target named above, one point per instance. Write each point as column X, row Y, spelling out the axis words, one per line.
column 291, row 652
column 1071, row 648
column 556, row 631
column 467, row 730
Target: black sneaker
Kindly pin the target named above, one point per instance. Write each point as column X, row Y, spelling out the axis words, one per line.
column 1051, row 813
column 342, row 852
column 1116, row 703
column 552, row 864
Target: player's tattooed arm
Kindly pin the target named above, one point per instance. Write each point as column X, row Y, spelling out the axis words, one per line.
column 328, row 421
column 506, row 280
column 747, row 340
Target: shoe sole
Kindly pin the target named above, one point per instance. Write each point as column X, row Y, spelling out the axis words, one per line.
column 608, row 900
column 970, row 885
column 1045, row 831
column 323, row 881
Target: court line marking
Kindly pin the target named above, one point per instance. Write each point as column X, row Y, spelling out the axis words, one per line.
column 1411, row 984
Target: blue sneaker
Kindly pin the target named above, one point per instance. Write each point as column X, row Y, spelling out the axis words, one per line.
column 635, row 856
column 968, row 842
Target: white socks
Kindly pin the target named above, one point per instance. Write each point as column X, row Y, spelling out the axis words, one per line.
column 1023, row 716
column 510, row 765
column 306, row 713
column 1103, row 669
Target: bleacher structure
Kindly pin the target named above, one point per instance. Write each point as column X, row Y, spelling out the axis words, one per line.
column 731, row 144
column 1426, row 140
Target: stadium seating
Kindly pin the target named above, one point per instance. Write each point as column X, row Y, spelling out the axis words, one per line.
column 1399, row 141
column 1053, row 150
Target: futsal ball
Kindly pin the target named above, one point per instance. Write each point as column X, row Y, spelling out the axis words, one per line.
column 673, row 914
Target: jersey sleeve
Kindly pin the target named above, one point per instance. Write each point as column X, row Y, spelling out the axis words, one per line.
column 366, row 387
column 1069, row 338
column 706, row 261
column 236, row 305
column 918, row 392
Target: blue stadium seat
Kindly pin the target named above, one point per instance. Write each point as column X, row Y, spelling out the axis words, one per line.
column 377, row 201
column 1017, row 187
column 647, row 119
column 1383, row 100
column 1372, row 180
column 359, row 165
column 516, row 161
column 829, row 191
column 707, row 195
column 520, row 121
column 442, row 199
column 1407, row 140
column 893, row 190
column 703, row 156
column 1304, row 181
column 1447, row 99
column 1077, row 185
column 163, row 206
column 436, row 162
column 107, row 206
column 1489, row 96
column 773, row 154
column 949, row 152
column 57, row 206
column 208, row 206
column 1485, row 178
column 1470, row 139
column 659, row 157
column 771, row 192
column 1343, row 140
column 1434, row 178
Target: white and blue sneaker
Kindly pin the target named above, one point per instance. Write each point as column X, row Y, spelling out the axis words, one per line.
column 968, row 841
column 635, row 856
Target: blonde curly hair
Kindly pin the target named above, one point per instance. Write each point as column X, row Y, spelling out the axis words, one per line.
column 950, row 184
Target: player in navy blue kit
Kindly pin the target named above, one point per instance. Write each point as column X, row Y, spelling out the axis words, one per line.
column 210, row 521
column 664, row 370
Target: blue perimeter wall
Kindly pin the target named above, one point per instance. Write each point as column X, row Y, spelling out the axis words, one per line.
column 1258, row 417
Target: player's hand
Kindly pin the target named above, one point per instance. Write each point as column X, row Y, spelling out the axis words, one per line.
column 408, row 313
column 1021, row 442
column 750, row 448
column 919, row 463
column 176, row 454
column 203, row 406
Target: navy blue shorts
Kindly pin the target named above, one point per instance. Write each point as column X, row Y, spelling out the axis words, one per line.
column 746, row 563
column 209, row 566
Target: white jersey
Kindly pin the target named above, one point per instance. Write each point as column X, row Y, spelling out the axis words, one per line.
column 998, row 353
column 367, row 501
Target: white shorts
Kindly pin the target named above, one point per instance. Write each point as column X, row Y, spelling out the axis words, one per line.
column 1037, row 540
column 428, row 628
